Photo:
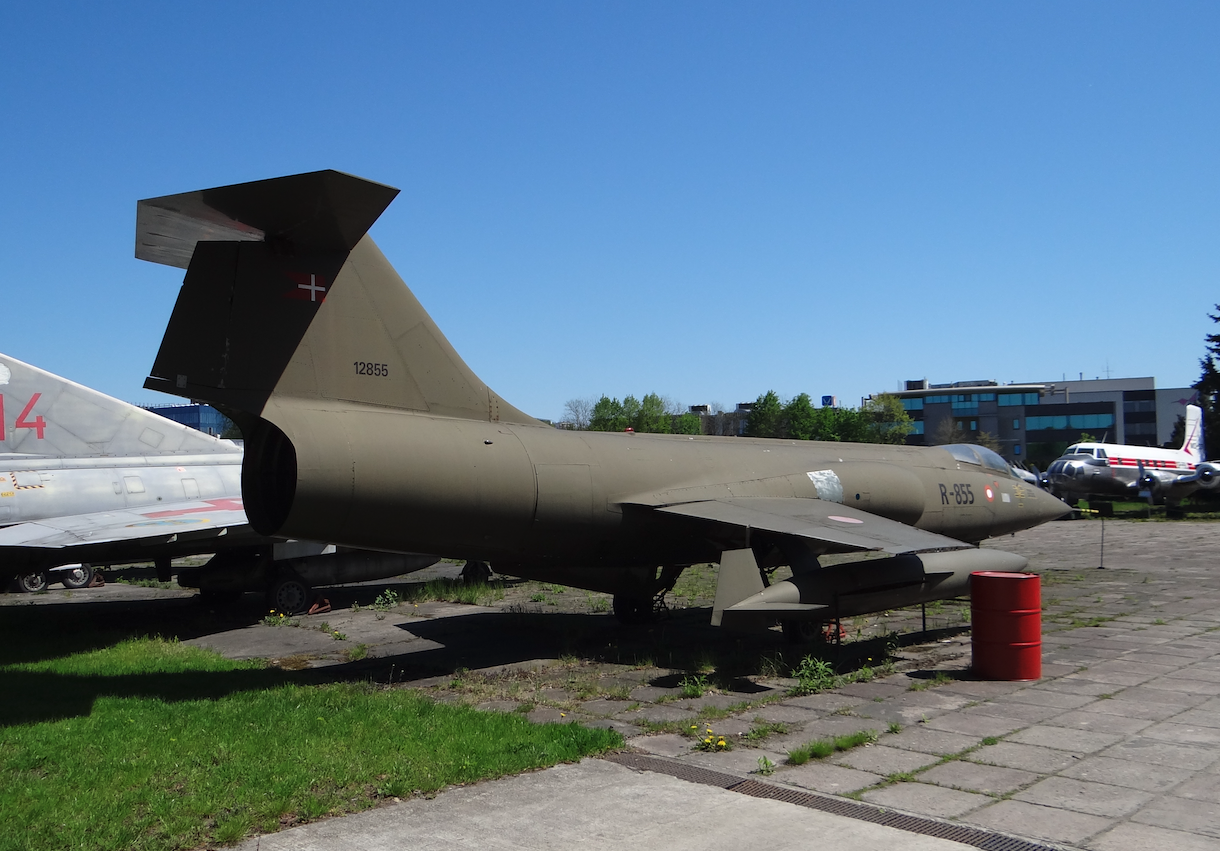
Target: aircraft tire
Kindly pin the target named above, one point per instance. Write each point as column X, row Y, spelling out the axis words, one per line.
column 289, row 594
column 77, row 577
column 630, row 609
column 799, row 632
column 32, row 583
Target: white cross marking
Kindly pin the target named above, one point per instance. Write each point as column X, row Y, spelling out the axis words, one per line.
column 314, row 288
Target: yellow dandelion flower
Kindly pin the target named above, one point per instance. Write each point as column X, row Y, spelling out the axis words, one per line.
column 708, row 740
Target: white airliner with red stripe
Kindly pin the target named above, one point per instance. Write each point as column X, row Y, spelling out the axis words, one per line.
column 1118, row 469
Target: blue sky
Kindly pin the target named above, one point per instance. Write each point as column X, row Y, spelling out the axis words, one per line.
column 702, row 200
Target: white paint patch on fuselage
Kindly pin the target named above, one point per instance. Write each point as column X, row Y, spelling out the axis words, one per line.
column 5, row 374
column 830, row 488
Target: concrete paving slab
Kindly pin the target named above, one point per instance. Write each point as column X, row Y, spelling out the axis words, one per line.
column 656, row 714
column 1189, row 686
column 1171, row 731
column 974, row 724
column 1125, row 708
column 596, row 804
column 783, row 713
column 1126, row 772
column 1160, row 697
column 1026, row 757
column 883, row 760
column 824, row 702
column 929, row 741
column 1082, row 796
column 1098, row 722
column 712, row 700
column 1142, row 837
column 1030, row 713
column 1158, row 752
column 974, row 777
column 1185, row 814
column 927, row 799
column 825, row 777
column 1045, row 697
column 1025, row 819
column 663, row 744
column 1065, row 739
column 1203, row 787
column 1199, row 717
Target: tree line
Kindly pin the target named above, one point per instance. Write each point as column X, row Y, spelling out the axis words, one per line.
column 881, row 419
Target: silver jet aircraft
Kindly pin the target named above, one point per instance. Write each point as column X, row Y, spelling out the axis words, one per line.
column 364, row 426
column 86, row 479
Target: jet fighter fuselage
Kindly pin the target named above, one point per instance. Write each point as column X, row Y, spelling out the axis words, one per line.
column 364, row 426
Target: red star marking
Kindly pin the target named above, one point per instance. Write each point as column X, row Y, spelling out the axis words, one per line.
column 213, row 505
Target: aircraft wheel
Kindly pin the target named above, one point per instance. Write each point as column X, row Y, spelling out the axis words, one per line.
column 631, row 609
column 476, row 571
column 289, row 594
column 800, row 632
column 78, row 577
column 32, row 583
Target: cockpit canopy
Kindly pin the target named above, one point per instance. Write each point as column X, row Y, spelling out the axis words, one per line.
column 1086, row 449
column 968, row 453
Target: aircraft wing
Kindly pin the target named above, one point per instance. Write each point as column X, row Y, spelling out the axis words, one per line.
column 845, row 529
column 198, row 519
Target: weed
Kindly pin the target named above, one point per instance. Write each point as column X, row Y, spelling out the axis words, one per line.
column 324, row 626
column 939, row 678
column 338, row 636
column 765, row 766
column 1106, row 696
column 814, row 675
column 694, row 685
column 763, row 729
column 386, row 600
column 539, row 597
column 709, row 741
column 1159, row 621
column 822, row 748
column 990, row 740
column 894, row 727
column 355, row 654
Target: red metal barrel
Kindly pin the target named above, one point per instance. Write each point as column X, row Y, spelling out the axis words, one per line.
column 1006, row 625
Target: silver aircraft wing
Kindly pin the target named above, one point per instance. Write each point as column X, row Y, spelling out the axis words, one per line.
column 844, row 529
column 150, row 524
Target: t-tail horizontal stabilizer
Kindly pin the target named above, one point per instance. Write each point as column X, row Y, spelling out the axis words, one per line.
column 849, row 589
column 287, row 302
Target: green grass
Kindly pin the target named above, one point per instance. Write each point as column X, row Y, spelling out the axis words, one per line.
column 150, row 744
column 822, row 748
column 455, row 591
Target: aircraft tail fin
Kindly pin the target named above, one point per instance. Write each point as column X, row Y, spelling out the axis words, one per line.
column 1192, row 444
column 286, row 297
column 44, row 415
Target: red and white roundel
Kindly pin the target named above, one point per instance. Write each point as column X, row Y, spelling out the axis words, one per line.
column 990, row 493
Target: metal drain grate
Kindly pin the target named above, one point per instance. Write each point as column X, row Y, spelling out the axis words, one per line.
column 965, row 834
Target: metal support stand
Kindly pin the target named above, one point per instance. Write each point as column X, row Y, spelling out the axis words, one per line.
column 923, row 610
column 1101, row 561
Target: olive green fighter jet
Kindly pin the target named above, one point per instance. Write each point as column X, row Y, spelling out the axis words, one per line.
column 364, row 427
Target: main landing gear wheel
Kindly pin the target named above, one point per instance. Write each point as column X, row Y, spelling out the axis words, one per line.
column 78, row 577
column 799, row 632
column 476, row 571
column 632, row 609
column 290, row 595
column 32, row 583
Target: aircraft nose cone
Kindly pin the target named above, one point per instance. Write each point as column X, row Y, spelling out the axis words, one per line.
column 1044, row 506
